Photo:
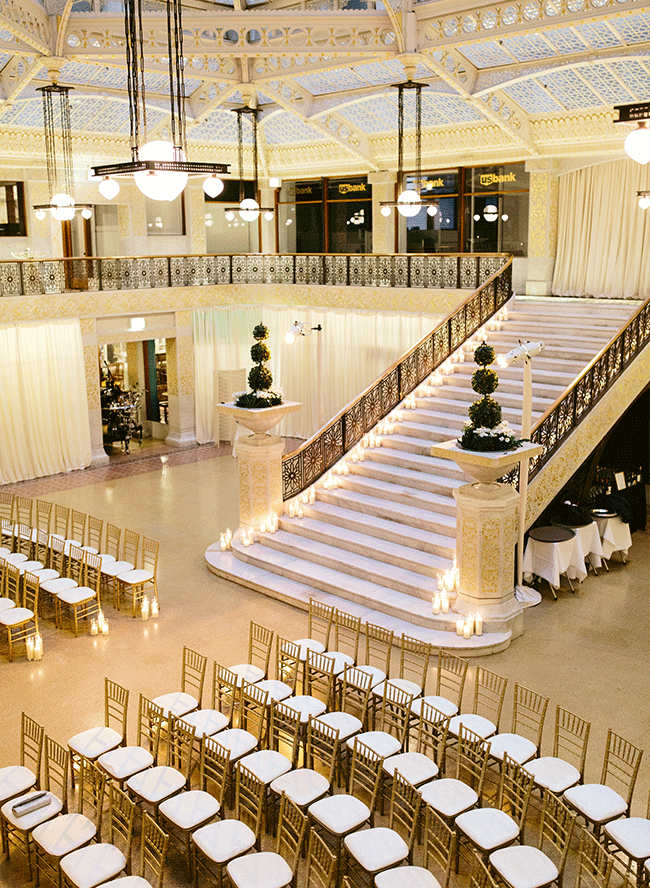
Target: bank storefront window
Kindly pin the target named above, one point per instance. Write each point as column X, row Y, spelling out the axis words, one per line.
column 495, row 210
column 325, row 216
column 438, row 233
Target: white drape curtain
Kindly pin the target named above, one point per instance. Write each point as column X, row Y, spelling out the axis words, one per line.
column 44, row 423
column 603, row 246
column 356, row 348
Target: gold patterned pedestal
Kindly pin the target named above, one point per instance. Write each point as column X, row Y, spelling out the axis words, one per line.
column 487, row 523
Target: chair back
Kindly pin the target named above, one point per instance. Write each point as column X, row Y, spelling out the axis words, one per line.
column 320, row 677
column 90, row 799
column 225, row 690
column 23, row 510
column 31, row 746
column 514, row 791
column 489, row 694
column 379, row 645
column 181, row 747
column 76, row 564
column 23, row 538
column 481, row 876
column 321, row 863
column 113, row 537
column 292, row 825
column 450, row 678
column 193, row 673
column 528, row 714
column 92, row 572
column 61, row 519
column 323, row 747
column 250, row 794
column 78, row 526
column 571, row 738
column 31, row 586
column 43, row 515
column 439, row 845
column 116, row 702
column 594, row 863
column 42, row 548
column 153, row 851
column 12, row 583
column 260, row 642
column 6, row 506
column 57, row 559
column 365, row 773
column 121, row 817
column 254, row 709
column 214, row 768
column 150, row 721
column 395, row 711
column 621, row 765
column 284, row 730
column 347, row 631
column 472, row 760
column 287, row 661
column 150, row 550
column 130, row 547
column 432, row 732
column 405, row 804
column 356, row 686
column 414, row 661
column 94, row 532
column 56, row 771
column 321, row 617
column 555, row 830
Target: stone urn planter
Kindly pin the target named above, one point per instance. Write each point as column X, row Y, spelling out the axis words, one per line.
column 258, row 420
column 485, row 467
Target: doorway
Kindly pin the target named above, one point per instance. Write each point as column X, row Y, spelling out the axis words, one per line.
column 77, row 238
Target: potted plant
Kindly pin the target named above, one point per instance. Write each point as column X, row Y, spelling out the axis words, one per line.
column 486, row 431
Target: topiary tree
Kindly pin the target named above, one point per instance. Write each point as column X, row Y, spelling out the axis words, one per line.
column 486, row 431
column 260, row 378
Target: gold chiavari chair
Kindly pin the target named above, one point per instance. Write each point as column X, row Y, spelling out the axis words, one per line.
column 123, row 762
column 189, row 698
column 21, row 623
column 94, row 742
column 260, row 642
column 136, row 583
column 153, row 854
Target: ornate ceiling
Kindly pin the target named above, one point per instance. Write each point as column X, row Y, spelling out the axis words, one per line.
column 521, row 80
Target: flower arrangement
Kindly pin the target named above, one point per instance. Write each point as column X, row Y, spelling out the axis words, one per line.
column 260, row 378
column 486, row 431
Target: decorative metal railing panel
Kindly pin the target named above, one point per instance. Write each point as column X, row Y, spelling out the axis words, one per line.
column 306, row 464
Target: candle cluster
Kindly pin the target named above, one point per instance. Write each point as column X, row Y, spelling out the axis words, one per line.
column 34, row 646
column 100, row 625
column 441, row 602
column 270, row 525
column 409, row 402
column 149, row 608
column 225, row 541
column 470, row 625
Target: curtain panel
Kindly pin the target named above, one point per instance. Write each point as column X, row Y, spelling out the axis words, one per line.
column 44, row 422
column 357, row 347
column 603, row 247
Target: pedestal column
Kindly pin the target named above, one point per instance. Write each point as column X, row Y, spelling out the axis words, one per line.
column 542, row 226
column 383, row 227
column 259, row 458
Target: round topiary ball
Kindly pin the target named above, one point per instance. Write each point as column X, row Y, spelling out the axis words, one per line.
column 484, row 354
column 260, row 332
column 485, row 381
column 260, row 352
column 485, row 413
column 260, row 378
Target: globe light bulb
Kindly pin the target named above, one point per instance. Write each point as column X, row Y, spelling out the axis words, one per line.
column 40, row 215
column 644, row 202
column 213, row 186
column 275, row 182
column 249, row 209
column 409, row 203
column 109, row 188
column 490, row 213
column 432, row 210
column 230, row 215
column 159, row 185
column 87, row 213
column 637, row 143
column 385, row 211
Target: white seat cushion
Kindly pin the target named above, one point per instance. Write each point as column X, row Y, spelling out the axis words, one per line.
column 206, row 721
column 128, row 882
column 28, row 821
column 406, row 877
column 91, row 549
column 306, row 706
column 476, row 723
column 488, row 828
column 47, row 574
column 303, row 786
column 265, row 869
column 517, row 747
column 15, row 780
column 308, row 644
column 58, row 585
column 64, row 834
column 106, row 559
column 91, row 866
column 239, row 742
column 177, row 703
column 15, row 558
column 343, row 722
column 6, row 603
column 340, row 813
column 247, row 672
column 440, row 703
column 377, row 674
column 224, row 840
column 449, row 797
column 381, row 742
column 156, row 784
column 114, row 568
column 277, row 690
column 376, row 849
column 553, row 773
column 76, row 595
column 135, row 577
column 341, row 660
column 125, row 761
column 31, row 566
column 596, row 802
column 190, row 809
column 266, row 764
column 94, row 742
column 14, row 616
column 632, row 834
column 409, row 687
column 524, row 867
column 413, row 766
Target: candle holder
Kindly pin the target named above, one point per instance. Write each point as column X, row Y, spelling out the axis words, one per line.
column 144, row 609
column 29, row 644
column 38, row 647
column 154, row 608
column 94, row 628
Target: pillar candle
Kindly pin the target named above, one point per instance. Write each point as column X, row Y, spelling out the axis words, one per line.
column 467, row 629
column 435, row 604
column 459, row 627
column 478, row 624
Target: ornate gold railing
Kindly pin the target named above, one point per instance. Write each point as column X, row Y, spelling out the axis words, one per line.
column 313, row 458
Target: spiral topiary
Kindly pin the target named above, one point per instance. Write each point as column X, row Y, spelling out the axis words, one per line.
column 486, row 431
column 260, row 378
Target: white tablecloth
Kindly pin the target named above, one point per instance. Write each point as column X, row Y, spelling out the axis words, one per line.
column 588, row 540
column 614, row 534
column 549, row 560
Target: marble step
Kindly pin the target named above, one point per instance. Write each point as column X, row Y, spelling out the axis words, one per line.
column 399, row 494
column 507, row 383
column 394, row 482
column 584, row 333
column 612, row 320
column 440, row 411
column 568, row 351
column 298, row 593
column 390, row 530
column 422, row 475
column 368, row 505
column 379, row 571
column 465, row 396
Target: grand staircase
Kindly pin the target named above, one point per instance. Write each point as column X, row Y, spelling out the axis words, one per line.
column 374, row 540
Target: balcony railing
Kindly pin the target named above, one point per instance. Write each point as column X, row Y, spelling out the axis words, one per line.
column 46, row 276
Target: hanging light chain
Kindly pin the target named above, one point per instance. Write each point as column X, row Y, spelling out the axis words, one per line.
column 418, row 136
column 135, row 73
column 50, row 119
column 400, row 134
column 176, row 73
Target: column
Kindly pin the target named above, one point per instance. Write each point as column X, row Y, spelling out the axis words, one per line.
column 180, row 383
column 383, row 227
column 91, row 366
column 267, row 241
column 542, row 226
column 259, row 459
column 195, row 204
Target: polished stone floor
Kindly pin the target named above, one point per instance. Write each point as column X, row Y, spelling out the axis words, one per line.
column 588, row 652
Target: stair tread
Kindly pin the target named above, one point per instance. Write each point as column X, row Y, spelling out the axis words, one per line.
column 396, row 508
column 399, row 471
column 417, row 493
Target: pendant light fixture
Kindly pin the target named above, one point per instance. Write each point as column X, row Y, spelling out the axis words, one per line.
column 56, row 116
column 637, row 143
column 159, row 168
column 248, row 209
column 410, row 201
